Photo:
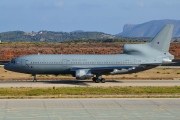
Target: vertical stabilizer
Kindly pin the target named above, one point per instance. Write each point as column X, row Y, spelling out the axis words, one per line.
column 162, row 40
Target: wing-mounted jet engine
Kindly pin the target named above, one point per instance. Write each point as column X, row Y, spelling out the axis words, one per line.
column 82, row 74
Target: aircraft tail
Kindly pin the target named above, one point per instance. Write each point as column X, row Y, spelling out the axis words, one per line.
column 162, row 40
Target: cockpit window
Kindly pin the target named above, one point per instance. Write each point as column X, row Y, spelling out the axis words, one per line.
column 13, row 62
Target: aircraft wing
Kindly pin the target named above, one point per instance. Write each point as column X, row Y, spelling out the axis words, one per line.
column 117, row 69
column 107, row 69
column 102, row 68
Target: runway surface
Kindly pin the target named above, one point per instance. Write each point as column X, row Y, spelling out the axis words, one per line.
column 73, row 83
column 90, row 109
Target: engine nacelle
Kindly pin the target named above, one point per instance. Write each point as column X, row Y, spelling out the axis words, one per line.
column 83, row 74
column 136, row 48
column 121, row 71
column 131, row 48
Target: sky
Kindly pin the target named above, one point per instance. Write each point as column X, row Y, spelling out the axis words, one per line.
column 108, row 16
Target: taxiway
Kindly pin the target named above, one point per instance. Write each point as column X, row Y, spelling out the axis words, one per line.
column 89, row 83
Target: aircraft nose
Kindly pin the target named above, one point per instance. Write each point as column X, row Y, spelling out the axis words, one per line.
column 6, row 66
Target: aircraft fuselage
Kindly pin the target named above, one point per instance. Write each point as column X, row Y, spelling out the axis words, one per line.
column 62, row 64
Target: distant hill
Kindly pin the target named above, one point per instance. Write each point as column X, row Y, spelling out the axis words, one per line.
column 149, row 29
column 139, row 32
column 50, row 36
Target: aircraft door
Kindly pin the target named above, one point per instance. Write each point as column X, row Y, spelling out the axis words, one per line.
column 65, row 62
column 136, row 61
column 23, row 63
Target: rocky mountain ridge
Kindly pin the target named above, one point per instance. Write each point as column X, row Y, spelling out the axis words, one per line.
column 149, row 29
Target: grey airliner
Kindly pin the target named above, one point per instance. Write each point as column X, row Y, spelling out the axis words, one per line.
column 135, row 58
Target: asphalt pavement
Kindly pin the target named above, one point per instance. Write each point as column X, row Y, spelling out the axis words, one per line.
column 85, row 83
column 90, row 109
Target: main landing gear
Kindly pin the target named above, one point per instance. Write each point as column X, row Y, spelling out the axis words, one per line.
column 34, row 80
column 98, row 79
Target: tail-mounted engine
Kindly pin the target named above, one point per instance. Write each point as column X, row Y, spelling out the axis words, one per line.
column 135, row 48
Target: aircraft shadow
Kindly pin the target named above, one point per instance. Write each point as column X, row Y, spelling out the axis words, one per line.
column 77, row 82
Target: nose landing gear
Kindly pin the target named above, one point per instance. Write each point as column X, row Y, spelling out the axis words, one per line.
column 34, row 80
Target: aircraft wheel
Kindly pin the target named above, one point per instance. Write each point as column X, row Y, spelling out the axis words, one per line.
column 103, row 80
column 94, row 79
column 34, row 80
column 97, row 81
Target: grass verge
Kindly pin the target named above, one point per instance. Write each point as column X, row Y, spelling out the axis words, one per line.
column 92, row 92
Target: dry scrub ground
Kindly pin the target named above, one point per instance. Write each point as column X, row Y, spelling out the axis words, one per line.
column 11, row 50
column 156, row 73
